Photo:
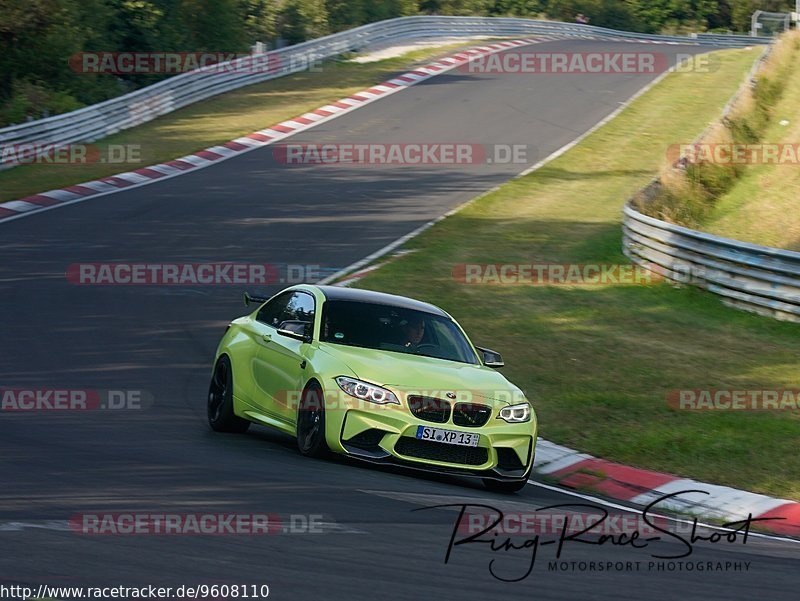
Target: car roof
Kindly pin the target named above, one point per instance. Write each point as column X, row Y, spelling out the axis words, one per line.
column 341, row 293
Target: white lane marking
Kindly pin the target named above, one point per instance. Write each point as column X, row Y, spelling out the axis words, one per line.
column 244, row 141
column 222, row 150
column 59, row 525
column 296, row 125
column 195, row 160
column 271, row 133
column 524, row 504
column 621, row 507
column 333, row 109
column 202, row 163
column 597, row 125
column 165, row 169
column 61, row 194
column 365, row 95
column 99, row 186
column 19, row 205
column 426, row 499
column 351, row 101
column 567, row 460
column 357, row 276
column 552, row 156
column 136, row 178
column 314, row 116
column 722, row 502
column 551, row 457
column 562, row 463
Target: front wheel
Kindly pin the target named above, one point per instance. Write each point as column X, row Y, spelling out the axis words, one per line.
column 504, row 486
column 311, row 423
column 221, row 417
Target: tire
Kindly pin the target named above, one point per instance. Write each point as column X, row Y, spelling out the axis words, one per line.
column 504, row 486
column 221, row 417
column 311, row 423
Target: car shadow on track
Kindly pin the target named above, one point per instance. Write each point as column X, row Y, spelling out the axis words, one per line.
column 286, row 443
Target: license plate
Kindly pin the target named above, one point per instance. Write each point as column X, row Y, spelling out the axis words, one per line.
column 463, row 439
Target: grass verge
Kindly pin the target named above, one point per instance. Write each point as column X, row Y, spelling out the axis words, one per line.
column 763, row 206
column 734, row 198
column 220, row 119
column 599, row 361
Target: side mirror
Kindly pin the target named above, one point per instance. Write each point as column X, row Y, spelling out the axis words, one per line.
column 293, row 328
column 490, row 358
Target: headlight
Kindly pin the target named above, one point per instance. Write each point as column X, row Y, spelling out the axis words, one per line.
column 366, row 391
column 515, row 414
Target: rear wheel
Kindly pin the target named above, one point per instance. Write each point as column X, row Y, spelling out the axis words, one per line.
column 504, row 486
column 221, row 417
column 311, row 422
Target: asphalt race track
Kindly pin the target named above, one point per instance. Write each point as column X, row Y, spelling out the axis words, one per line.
column 161, row 339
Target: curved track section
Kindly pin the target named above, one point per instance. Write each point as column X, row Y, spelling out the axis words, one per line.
column 163, row 458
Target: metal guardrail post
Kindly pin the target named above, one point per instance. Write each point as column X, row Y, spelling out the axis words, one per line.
column 111, row 116
column 747, row 276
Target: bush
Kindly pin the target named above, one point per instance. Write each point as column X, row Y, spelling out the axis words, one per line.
column 30, row 100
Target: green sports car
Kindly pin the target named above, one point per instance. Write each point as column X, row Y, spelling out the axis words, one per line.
column 373, row 376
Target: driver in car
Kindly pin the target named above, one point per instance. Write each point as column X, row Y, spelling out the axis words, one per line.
column 413, row 331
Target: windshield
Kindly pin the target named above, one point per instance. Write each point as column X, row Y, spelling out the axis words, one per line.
column 388, row 328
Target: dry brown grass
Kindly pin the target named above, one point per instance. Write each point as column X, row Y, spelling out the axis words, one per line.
column 688, row 194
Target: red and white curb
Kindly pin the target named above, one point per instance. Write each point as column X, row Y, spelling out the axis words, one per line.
column 353, row 278
column 44, row 201
column 579, row 471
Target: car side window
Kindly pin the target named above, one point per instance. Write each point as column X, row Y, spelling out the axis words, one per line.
column 272, row 312
column 290, row 306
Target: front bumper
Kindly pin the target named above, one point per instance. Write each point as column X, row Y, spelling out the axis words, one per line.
column 387, row 434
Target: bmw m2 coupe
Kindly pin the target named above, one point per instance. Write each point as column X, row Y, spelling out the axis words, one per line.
column 376, row 377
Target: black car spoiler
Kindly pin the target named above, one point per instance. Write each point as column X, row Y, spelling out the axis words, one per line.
column 254, row 298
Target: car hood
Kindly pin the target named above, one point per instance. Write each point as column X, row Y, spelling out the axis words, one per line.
column 427, row 376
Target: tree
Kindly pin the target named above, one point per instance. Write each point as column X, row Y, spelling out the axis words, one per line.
column 455, row 7
column 388, row 9
column 519, row 8
column 345, row 14
column 300, row 20
column 213, row 25
column 614, row 14
column 260, row 20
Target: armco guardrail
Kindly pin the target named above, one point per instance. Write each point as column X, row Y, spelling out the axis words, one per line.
column 755, row 278
column 106, row 118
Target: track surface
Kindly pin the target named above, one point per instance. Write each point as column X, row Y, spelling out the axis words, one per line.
column 162, row 339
